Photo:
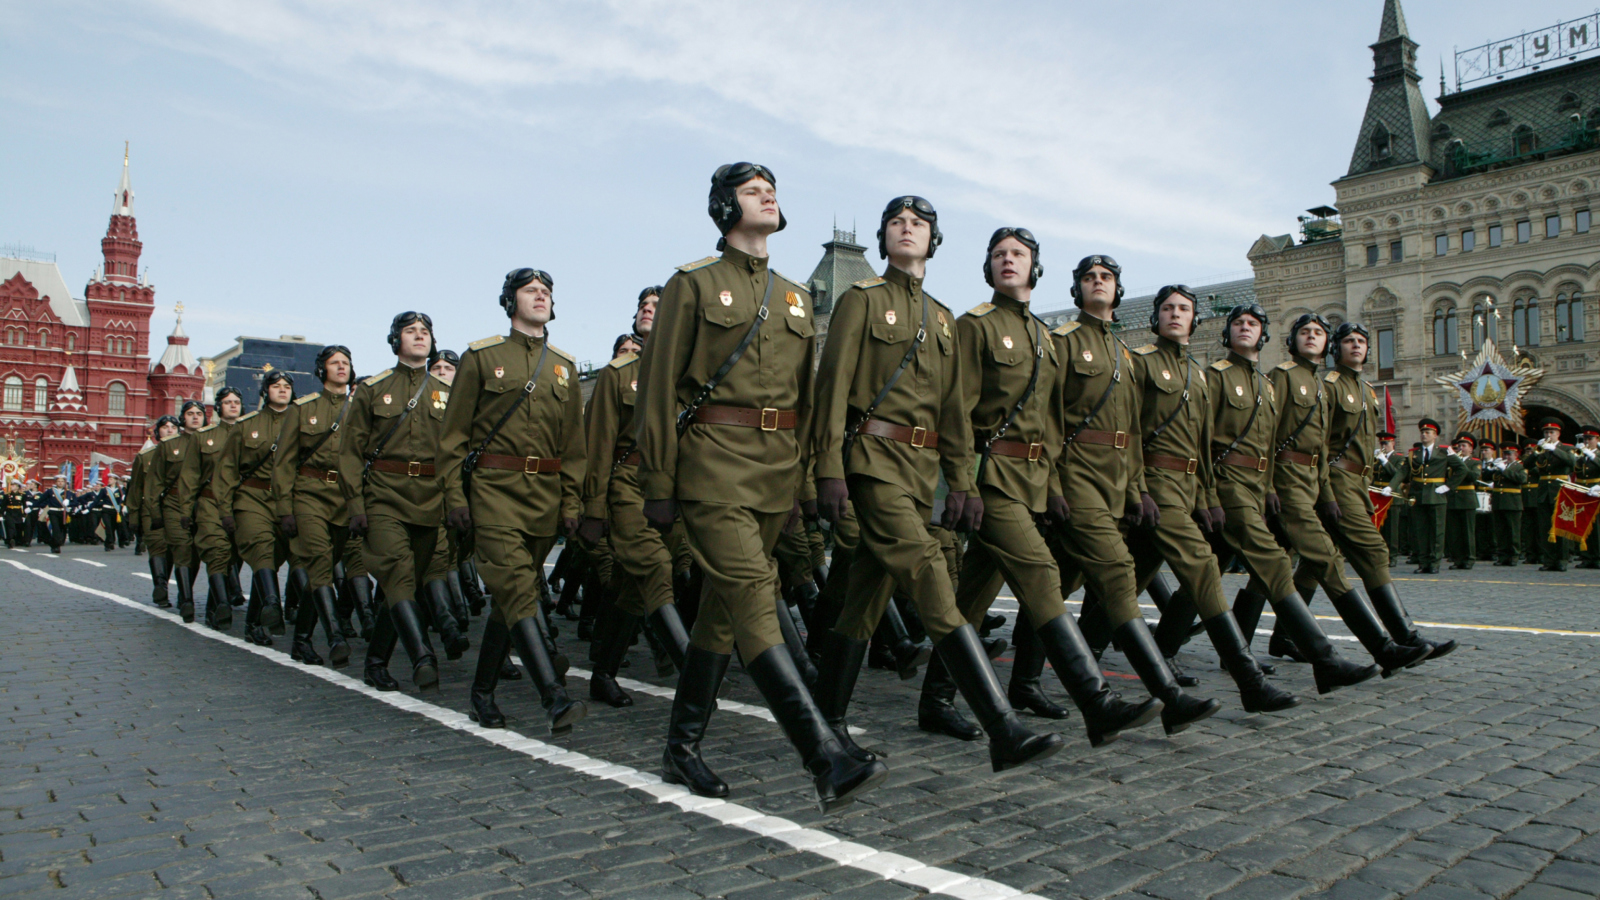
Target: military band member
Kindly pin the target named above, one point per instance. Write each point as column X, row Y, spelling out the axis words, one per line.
column 15, row 514
column 107, row 509
column 1386, row 474
column 890, row 417
column 54, row 505
column 1586, row 471
column 1533, row 534
column 309, row 503
column 1461, row 507
column 1508, row 479
column 1431, row 475
column 513, row 458
column 1483, row 520
column 731, row 351
column 175, row 478
column 212, row 542
column 243, row 486
column 1551, row 462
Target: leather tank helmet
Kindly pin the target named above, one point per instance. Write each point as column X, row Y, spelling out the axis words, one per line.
column 225, row 393
column 1302, row 321
column 1253, row 310
column 923, row 210
column 320, row 369
column 406, row 318
column 1089, row 262
column 1182, row 290
column 1026, row 239
column 723, row 204
column 272, row 378
column 516, row 280
column 188, row 405
column 1344, row 330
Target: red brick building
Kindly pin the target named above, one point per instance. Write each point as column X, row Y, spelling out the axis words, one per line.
column 75, row 373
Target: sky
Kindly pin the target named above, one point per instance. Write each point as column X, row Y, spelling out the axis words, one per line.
column 313, row 167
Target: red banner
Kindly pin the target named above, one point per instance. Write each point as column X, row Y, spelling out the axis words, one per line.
column 1574, row 515
column 1380, row 506
column 1388, row 412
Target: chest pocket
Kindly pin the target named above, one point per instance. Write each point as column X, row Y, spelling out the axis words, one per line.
column 1302, row 400
column 1171, row 384
column 946, row 345
column 890, row 334
column 800, row 325
column 1349, row 402
column 732, row 316
column 261, row 442
column 1240, row 396
column 1098, row 363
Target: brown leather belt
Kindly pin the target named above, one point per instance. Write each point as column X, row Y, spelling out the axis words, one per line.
column 1295, row 456
column 918, row 437
column 207, row 494
column 1245, row 461
column 1117, row 439
column 1018, row 450
column 527, row 465
column 1351, row 466
column 1175, row 463
column 326, row 476
column 765, row 419
column 628, row 458
column 260, row 484
column 399, row 467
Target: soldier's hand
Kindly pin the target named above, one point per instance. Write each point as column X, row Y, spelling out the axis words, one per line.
column 288, row 526
column 953, row 502
column 228, row 524
column 1442, row 489
column 971, row 514
column 808, row 509
column 1330, row 511
column 832, row 497
column 1149, row 512
column 792, row 524
column 1057, row 510
column 460, row 519
column 358, row 526
column 591, row 530
column 1218, row 518
column 661, row 513
column 1274, row 506
column 569, row 526
column 186, row 523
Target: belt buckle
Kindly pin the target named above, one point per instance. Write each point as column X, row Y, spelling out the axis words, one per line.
column 764, row 425
column 330, row 477
column 413, row 469
column 1035, row 451
column 1119, row 440
column 1194, row 466
column 1314, row 458
column 1366, row 472
column 919, row 437
column 1261, row 463
column 530, row 465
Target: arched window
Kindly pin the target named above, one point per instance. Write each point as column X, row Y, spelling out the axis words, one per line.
column 1485, row 321
column 1446, row 331
column 44, row 338
column 1523, row 140
column 72, row 341
column 1569, row 317
column 1380, row 141
column 41, row 394
column 117, row 399
column 13, row 396
column 1578, row 310
column 111, row 345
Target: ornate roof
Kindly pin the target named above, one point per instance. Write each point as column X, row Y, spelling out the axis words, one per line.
column 843, row 263
column 1394, row 131
column 1557, row 107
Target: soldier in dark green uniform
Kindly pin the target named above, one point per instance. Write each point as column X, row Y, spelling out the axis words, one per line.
column 141, row 502
column 1386, row 475
column 1430, row 475
column 1532, row 549
column 309, row 504
column 1551, row 462
column 211, row 539
column 890, row 417
column 513, row 461
column 1510, row 479
column 1488, row 451
column 1461, row 508
column 1586, row 471
column 176, row 484
column 243, row 486
column 725, row 393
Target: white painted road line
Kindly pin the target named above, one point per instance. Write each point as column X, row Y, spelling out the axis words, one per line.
column 889, row 866
column 88, row 562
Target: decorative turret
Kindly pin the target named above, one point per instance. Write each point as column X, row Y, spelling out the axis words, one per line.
column 177, row 375
column 1394, row 131
column 69, row 396
column 121, row 246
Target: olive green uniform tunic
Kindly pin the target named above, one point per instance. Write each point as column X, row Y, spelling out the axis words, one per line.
column 1509, row 480
column 175, row 478
column 244, row 489
column 1550, row 467
column 892, row 482
column 1352, row 441
column 305, row 482
column 735, row 485
column 516, row 513
column 1237, row 388
column 1424, row 471
column 213, row 541
column 998, row 344
column 1461, row 516
column 141, row 502
column 401, row 494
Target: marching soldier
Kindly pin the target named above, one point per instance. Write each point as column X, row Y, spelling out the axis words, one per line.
column 1431, row 474
column 1533, row 534
column 175, row 481
column 1461, row 508
column 15, row 514
column 1508, row 478
column 139, row 503
column 310, row 504
column 1586, row 471
column 387, row 448
column 890, row 416
column 640, row 554
column 513, row 458
column 1483, row 520
column 1551, row 462
column 725, row 420
column 106, row 508
column 54, row 505
column 214, row 544
column 244, row 497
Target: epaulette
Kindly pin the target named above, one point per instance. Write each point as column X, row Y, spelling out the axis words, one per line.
column 487, row 342
column 1222, row 365
column 1332, row 377
column 145, row 450
column 378, row 377
column 623, row 360
column 302, row 401
column 869, row 283
column 982, row 309
column 1066, row 328
column 1146, row 350
column 208, row 428
column 797, row 284
column 253, row 414
column 1285, row 365
column 698, row 264
column 563, row 354
column 172, row 437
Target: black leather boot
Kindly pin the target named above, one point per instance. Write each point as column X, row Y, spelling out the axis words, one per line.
column 1280, row 647
column 1331, row 670
column 840, row 666
column 407, row 619
column 838, row 777
column 305, row 624
column 235, row 592
column 1010, row 743
column 529, row 642
column 936, row 709
column 1256, row 693
column 1092, row 623
column 159, row 573
column 185, row 582
column 1247, row 607
column 1386, row 602
column 298, row 592
column 614, row 631
column 909, row 655
column 665, row 667
column 380, row 648
column 344, row 605
column 1362, row 621
column 360, row 588
column 467, row 572
column 669, row 628
column 1105, row 714
column 458, row 600
column 444, row 621
column 1178, row 710
column 269, row 617
column 219, row 612
column 1027, row 664
column 681, row 762
column 1177, row 624
column 324, row 600
column 795, row 644
column 493, row 650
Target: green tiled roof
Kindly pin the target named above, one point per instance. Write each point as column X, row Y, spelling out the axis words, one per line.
column 843, row 263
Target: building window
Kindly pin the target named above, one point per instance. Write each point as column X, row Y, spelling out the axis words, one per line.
column 41, row 394
column 1372, row 254
column 1380, row 142
column 1523, row 140
column 1485, row 323
column 1579, row 310
column 114, row 438
column 117, row 399
column 1581, row 221
column 1385, row 354
column 1495, row 234
column 13, row 396
column 44, row 338
column 1469, row 240
column 1446, row 331
column 1552, row 226
column 1524, row 231
column 72, row 341
column 1569, row 317
column 1397, row 251
column 1441, row 244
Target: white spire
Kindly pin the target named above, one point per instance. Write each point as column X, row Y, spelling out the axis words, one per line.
column 178, row 357
column 69, row 381
column 69, row 395
column 122, row 201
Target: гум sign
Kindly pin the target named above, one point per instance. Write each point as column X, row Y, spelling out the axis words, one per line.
column 1529, row 50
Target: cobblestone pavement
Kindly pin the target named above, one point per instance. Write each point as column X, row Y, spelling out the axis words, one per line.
column 144, row 758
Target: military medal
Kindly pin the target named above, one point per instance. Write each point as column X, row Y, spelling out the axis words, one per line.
column 209, row 441
column 889, row 317
column 561, row 375
column 499, row 371
column 254, row 435
column 1166, row 374
column 1087, row 356
column 1349, row 399
column 1007, row 341
column 726, row 297
column 1239, row 389
column 312, row 420
column 634, row 386
column 798, row 310
column 388, row 398
column 944, row 324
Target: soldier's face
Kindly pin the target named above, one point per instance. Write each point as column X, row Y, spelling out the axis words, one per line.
column 1464, row 448
column 1386, row 446
column 1591, row 442
column 443, row 371
column 231, row 407
column 534, row 302
column 1510, row 454
column 1353, row 350
column 1175, row 317
column 1010, row 263
column 279, row 392
column 907, row 236
column 1487, row 454
column 645, row 318
column 1552, row 434
column 415, row 339
column 338, row 369
column 194, row 418
column 758, row 206
column 1099, row 283
column 1244, row 332
column 627, row 347
column 1310, row 341
column 166, row 430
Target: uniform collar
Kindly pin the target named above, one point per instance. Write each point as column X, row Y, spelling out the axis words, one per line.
column 528, row 340
column 1168, row 345
column 904, row 279
column 1006, row 301
column 743, row 260
column 1087, row 321
column 1346, row 370
column 1238, row 360
column 1302, row 362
